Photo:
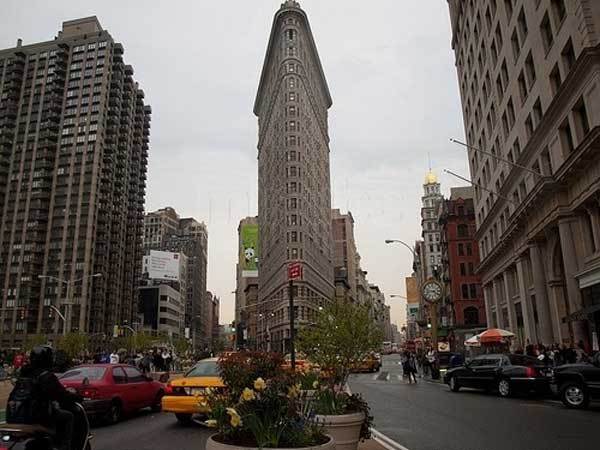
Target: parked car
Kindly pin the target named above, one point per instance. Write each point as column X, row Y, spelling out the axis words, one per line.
column 506, row 374
column 110, row 390
column 186, row 396
column 577, row 384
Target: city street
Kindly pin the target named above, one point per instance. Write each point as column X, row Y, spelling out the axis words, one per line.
column 147, row 431
column 427, row 416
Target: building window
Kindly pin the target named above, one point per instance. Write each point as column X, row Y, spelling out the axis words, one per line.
column 473, row 291
column 530, row 70
column 463, row 269
column 471, row 315
column 464, row 291
column 522, row 22
column 537, row 113
column 555, row 80
column 461, row 250
column 546, row 31
column 516, row 47
column 566, row 137
column 559, row 11
column 522, row 87
column 469, row 249
column 581, row 120
column 463, row 230
column 568, row 56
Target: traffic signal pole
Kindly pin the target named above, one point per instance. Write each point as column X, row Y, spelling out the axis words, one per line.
column 292, row 327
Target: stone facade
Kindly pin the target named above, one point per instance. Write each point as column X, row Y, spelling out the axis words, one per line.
column 344, row 255
column 294, row 197
column 74, row 133
column 530, row 90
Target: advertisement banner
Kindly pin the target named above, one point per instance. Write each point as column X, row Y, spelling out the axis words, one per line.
column 249, row 251
column 163, row 265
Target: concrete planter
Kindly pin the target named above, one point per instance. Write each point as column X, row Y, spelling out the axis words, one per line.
column 344, row 429
column 211, row 444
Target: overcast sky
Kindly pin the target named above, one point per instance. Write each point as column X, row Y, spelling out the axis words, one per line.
column 392, row 78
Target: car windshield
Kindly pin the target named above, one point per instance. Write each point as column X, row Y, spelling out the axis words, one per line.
column 91, row 373
column 204, row 369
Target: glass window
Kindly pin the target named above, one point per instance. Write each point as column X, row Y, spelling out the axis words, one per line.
column 91, row 373
column 204, row 369
column 133, row 375
column 119, row 376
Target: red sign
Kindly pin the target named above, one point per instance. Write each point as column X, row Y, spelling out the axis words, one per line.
column 411, row 346
column 294, row 271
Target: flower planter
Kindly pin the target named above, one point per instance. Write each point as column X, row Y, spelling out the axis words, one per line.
column 211, row 444
column 344, row 429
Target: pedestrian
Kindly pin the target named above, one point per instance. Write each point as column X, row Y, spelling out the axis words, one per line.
column 158, row 361
column 412, row 368
column 114, row 357
column 145, row 364
column 166, row 360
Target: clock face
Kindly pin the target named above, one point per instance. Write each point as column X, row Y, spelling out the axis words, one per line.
column 432, row 291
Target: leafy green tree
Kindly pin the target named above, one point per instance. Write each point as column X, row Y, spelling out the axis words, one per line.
column 181, row 346
column 34, row 340
column 74, row 343
column 342, row 335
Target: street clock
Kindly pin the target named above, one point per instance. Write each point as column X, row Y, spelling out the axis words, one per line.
column 432, row 290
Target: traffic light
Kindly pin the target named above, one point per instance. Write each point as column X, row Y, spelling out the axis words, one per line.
column 428, row 324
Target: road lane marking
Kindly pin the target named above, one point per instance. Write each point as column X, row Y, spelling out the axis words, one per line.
column 386, row 442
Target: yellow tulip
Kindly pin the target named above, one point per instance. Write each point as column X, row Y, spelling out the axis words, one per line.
column 236, row 421
column 259, row 384
column 211, row 423
column 315, row 384
column 248, row 395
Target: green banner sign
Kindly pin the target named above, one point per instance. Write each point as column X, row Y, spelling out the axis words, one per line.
column 249, row 251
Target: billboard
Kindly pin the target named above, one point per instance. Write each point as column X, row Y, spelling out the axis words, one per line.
column 249, row 250
column 412, row 290
column 163, row 265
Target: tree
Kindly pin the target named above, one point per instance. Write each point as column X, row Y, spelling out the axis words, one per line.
column 181, row 346
column 342, row 335
column 74, row 343
column 33, row 340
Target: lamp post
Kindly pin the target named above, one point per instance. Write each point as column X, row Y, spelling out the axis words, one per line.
column 68, row 303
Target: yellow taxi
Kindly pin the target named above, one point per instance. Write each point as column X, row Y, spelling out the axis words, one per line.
column 370, row 363
column 186, row 396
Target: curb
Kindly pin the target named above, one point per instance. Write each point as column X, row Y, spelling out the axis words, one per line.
column 386, row 442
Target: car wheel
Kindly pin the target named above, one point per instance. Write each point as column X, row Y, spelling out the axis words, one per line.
column 157, row 405
column 183, row 419
column 115, row 413
column 504, row 388
column 574, row 395
column 454, row 386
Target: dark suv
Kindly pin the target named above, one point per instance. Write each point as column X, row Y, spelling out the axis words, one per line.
column 577, row 383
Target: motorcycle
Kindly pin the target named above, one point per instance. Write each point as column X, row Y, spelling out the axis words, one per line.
column 15, row 436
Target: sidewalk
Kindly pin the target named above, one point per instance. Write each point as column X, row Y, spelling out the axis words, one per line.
column 371, row 444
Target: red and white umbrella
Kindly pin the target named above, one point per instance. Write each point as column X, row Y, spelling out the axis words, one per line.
column 494, row 335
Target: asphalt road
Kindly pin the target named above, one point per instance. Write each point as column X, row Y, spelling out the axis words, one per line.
column 147, row 431
column 427, row 416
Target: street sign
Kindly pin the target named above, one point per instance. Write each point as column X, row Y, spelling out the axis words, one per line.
column 294, row 271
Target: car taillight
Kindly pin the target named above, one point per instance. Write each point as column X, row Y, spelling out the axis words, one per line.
column 530, row 372
column 89, row 393
column 168, row 388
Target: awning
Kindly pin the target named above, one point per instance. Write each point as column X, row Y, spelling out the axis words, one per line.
column 582, row 314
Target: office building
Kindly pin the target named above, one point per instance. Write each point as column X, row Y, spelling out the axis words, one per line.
column 528, row 78
column 294, row 196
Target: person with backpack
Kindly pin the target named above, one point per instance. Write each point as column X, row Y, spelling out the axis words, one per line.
column 39, row 398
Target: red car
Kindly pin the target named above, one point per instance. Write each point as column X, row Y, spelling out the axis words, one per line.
column 110, row 390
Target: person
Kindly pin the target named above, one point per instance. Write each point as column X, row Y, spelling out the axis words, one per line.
column 18, row 361
column 157, row 361
column 52, row 403
column 114, row 357
column 412, row 368
column 145, row 364
column 166, row 360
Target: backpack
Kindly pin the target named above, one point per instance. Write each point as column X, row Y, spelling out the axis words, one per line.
column 27, row 404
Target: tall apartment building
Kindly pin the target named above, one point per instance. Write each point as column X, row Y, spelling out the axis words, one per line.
column 344, row 255
column 529, row 82
column 464, row 308
column 165, row 230
column 294, row 197
column 74, row 133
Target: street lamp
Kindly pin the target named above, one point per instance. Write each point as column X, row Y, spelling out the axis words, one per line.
column 69, row 283
column 398, row 296
column 398, row 241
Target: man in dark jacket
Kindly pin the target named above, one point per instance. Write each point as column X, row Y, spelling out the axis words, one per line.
column 54, row 393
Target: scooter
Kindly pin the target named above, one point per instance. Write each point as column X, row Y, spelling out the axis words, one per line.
column 15, row 436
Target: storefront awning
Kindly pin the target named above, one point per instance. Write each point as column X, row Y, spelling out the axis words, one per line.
column 582, row 314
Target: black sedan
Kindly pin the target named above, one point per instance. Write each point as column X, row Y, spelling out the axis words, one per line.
column 577, row 384
column 506, row 374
